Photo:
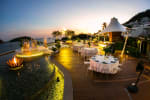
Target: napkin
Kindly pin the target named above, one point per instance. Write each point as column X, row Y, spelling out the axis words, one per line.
column 112, row 61
column 104, row 63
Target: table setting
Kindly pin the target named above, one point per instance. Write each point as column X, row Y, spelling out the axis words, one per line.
column 78, row 46
column 104, row 64
column 88, row 51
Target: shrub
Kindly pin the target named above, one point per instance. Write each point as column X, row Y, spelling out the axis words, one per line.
column 107, row 50
column 89, row 44
column 57, row 40
column 58, row 45
column 132, row 42
column 54, row 49
column 133, row 51
column 118, row 45
column 64, row 39
column 78, row 39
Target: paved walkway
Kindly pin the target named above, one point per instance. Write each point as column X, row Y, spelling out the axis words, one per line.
column 95, row 86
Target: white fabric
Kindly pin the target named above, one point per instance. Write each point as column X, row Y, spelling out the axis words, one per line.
column 104, row 65
column 77, row 47
column 89, row 51
column 114, row 26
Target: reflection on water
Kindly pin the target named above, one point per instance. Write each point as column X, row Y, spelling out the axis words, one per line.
column 26, row 81
column 66, row 57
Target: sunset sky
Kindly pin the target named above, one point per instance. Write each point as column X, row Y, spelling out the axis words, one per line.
column 38, row 18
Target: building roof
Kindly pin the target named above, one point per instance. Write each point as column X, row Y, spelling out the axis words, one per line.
column 143, row 30
column 114, row 26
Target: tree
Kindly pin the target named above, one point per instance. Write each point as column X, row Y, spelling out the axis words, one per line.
column 56, row 33
column 69, row 33
column 104, row 25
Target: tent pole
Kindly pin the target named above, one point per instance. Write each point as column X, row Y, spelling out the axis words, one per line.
column 104, row 38
column 124, row 45
column 140, row 46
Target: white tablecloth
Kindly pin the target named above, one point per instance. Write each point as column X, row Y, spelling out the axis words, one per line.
column 89, row 51
column 103, row 64
column 77, row 47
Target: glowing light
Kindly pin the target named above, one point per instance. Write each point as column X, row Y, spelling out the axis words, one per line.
column 15, row 63
column 15, row 60
column 27, row 51
column 69, row 41
column 64, row 29
column 65, row 57
column 57, row 87
column 31, row 55
column 102, row 45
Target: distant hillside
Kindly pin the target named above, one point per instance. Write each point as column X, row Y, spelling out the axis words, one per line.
column 139, row 19
column 1, row 41
column 21, row 38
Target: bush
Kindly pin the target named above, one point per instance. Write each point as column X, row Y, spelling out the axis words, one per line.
column 132, row 42
column 57, row 40
column 64, row 39
column 74, row 37
column 133, row 51
column 101, row 38
column 54, row 49
column 107, row 50
column 58, row 45
column 78, row 39
column 118, row 45
column 89, row 44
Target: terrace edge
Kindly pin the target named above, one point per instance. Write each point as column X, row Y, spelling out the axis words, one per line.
column 68, row 88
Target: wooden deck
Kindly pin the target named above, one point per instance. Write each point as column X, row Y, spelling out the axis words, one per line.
column 89, row 85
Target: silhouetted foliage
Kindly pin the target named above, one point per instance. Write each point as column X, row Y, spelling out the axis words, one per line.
column 58, row 45
column 64, row 39
column 132, row 42
column 20, row 39
column 56, row 33
column 69, row 33
column 104, row 25
column 1, row 41
column 83, row 36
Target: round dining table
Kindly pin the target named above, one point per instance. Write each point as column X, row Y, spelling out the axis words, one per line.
column 89, row 51
column 77, row 47
column 104, row 64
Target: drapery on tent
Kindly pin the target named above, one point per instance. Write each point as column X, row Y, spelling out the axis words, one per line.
column 114, row 29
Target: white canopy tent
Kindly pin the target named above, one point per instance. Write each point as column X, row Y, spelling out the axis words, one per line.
column 114, row 26
column 115, row 29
